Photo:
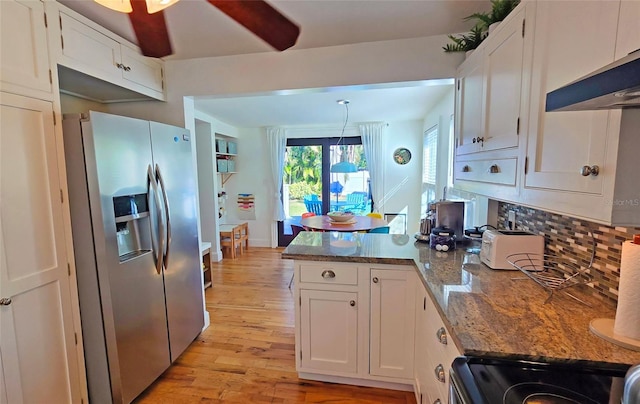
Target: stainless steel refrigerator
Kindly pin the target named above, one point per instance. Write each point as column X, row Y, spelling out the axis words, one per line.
column 133, row 214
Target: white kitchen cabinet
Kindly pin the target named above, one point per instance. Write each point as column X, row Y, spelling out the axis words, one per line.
column 350, row 329
column 327, row 317
column 469, row 95
column 24, row 54
column 435, row 351
column 87, row 48
column 40, row 360
column 392, row 322
column 329, row 330
column 562, row 145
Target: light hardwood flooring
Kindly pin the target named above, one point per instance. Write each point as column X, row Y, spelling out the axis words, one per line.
column 247, row 353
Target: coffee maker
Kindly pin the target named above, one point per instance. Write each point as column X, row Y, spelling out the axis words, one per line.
column 450, row 214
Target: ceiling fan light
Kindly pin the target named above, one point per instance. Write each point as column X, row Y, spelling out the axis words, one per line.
column 153, row 6
column 123, row 6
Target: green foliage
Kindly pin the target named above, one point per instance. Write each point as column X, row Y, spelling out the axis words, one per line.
column 299, row 190
column 500, row 9
column 466, row 42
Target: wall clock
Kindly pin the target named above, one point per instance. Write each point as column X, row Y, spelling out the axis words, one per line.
column 402, row 155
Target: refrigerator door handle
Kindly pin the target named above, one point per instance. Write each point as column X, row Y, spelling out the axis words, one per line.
column 151, row 182
column 167, row 211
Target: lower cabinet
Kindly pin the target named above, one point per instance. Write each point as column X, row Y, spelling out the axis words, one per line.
column 355, row 324
column 434, row 352
column 329, row 330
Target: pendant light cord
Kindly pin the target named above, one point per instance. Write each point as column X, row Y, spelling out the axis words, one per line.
column 346, row 105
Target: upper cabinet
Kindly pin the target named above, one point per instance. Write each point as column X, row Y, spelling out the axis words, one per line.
column 24, row 55
column 490, row 86
column 574, row 163
column 87, row 48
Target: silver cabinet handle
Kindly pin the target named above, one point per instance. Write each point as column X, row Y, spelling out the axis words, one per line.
column 440, row 373
column 119, row 65
column 586, row 171
column 442, row 335
column 328, row 274
column 127, row 69
column 437, row 401
column 375, row 279
column 494, row 169
column 466, row 169
column 5, row 301
column 352, row 303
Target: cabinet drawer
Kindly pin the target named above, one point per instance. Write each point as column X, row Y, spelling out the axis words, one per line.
column 329, row 274
column 494, row 171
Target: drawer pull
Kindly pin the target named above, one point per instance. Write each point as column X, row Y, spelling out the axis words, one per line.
column 586, row 171
column 442, row 335
column 352, row 303
column 466, row 169
column 437, row 401
column 5, row 301
column 440, row 373
column 328, row 274
column 375, row 279
column 494, row 169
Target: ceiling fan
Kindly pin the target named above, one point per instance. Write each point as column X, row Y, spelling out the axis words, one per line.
column 147, row 19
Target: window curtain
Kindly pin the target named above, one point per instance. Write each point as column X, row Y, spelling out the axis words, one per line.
column 371, row 134
column 277, row 138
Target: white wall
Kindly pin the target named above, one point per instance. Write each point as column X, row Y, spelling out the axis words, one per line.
column 366, row 63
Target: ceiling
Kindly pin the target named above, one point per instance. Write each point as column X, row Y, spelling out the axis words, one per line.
column 199, row 30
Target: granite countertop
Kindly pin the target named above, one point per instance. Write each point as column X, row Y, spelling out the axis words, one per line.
column 500, row 314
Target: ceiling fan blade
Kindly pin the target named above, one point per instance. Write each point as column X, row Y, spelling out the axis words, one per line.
column 261, row 19
column 151, row 30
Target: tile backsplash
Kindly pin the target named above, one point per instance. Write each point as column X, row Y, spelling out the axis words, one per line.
column 569, row 237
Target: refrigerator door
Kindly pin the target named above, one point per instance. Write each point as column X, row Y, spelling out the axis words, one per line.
column 183, row 271
column 118, row 155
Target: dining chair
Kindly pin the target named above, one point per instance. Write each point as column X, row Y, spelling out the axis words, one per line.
column 375, row 214
column 384, row 229
column 314, row 207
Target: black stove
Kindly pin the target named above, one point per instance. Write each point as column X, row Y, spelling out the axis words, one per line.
column 499, row 381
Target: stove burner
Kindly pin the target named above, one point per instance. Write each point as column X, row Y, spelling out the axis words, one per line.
column 543, row 393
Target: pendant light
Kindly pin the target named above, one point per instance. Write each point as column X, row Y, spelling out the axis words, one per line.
column 343, row 166
column 124, row 6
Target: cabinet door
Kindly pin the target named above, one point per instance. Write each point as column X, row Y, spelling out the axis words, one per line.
column 469, row 96
column 329, row 330
column 568, row 45
column 39, row 356
column 503, row 68
column 24, row 56
column 628, row 32
column 392, row 323
column 141, row 70
column 89, row 51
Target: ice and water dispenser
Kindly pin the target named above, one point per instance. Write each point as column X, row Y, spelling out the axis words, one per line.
column 132, row 225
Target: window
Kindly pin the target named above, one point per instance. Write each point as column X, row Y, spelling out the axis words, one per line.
column 429, row 167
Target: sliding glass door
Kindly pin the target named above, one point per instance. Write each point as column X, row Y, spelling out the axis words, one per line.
column 322, row 175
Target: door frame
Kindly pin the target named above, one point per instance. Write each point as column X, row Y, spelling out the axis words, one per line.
column 325, row 144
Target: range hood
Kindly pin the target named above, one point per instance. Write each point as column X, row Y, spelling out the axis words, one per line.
column 614, row 86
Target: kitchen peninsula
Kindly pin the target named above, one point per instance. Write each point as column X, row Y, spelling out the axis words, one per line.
column 383, row 284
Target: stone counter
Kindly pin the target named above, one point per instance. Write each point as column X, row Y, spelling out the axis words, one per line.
column 489, row 313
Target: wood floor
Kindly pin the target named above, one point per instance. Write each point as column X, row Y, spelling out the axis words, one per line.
column 247, row 353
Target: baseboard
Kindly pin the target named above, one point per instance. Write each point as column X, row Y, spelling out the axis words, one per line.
column 357, row 381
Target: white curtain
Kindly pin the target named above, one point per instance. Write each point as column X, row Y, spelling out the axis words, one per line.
column 277, row 138
column 371, row 134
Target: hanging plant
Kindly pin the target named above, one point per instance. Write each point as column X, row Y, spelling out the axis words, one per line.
column 466, row 42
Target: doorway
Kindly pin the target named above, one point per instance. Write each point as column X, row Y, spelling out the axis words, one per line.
column 310, row 185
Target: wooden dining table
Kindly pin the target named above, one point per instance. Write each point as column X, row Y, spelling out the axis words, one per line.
column 357, row 223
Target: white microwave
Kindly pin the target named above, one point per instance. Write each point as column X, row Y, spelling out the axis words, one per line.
column 498, row 244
